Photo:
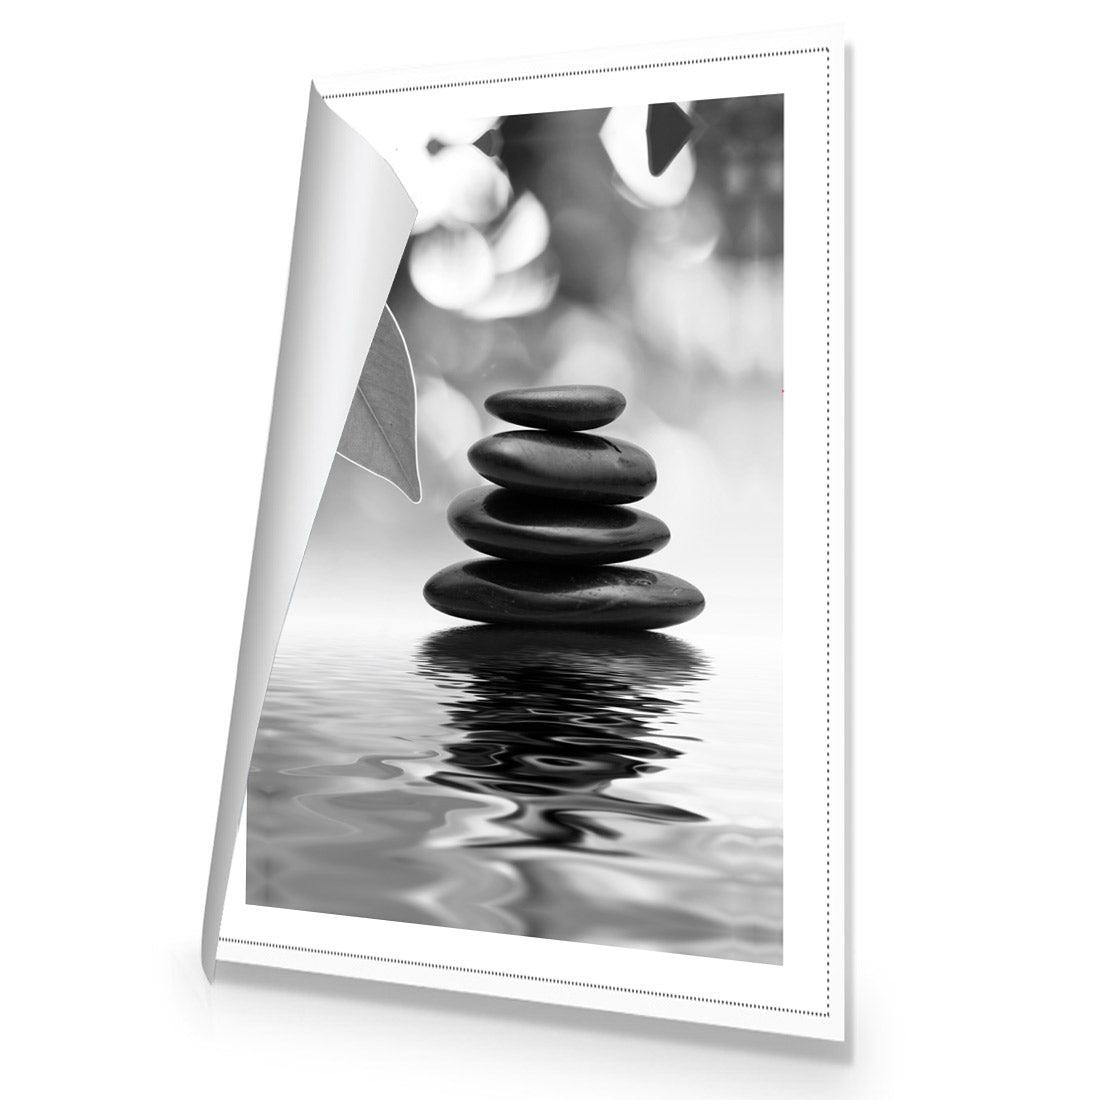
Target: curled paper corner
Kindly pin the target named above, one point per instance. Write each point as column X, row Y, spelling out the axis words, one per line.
column 352, row 224
column 380, row 432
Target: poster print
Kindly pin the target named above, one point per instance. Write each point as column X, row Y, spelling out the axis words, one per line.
column 528, row 697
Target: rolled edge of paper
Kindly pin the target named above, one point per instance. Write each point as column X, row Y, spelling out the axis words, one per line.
column 351, row 226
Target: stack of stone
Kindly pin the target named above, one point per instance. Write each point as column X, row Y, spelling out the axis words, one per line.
column 558, row 521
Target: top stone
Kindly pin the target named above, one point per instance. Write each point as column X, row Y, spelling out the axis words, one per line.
column 558, row 408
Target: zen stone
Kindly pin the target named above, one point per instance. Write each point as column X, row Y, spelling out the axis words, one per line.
column 607, row 596
column 558, row 408
column 526, row 528
column 566, row 465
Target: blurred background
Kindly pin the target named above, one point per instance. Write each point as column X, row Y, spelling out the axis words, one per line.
column 547, row 251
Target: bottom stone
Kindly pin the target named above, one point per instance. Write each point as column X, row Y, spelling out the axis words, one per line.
column 610, row 596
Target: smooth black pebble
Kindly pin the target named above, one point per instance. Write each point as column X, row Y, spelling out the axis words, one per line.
column 566, row 465
column 608, row 596
column 514, row 525
column 558, row 408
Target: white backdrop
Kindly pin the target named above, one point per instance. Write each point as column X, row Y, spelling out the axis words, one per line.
column 150, row 166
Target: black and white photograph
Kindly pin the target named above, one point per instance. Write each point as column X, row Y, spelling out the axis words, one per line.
column 550, row 550
column 530, row 682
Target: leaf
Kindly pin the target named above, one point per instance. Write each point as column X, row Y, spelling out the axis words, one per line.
column 667, row 130
column 380, row 432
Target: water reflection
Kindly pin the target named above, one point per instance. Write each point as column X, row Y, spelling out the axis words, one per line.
column 563, row 784
column 552, row 718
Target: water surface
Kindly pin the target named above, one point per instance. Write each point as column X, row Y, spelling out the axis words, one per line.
column 615, row 788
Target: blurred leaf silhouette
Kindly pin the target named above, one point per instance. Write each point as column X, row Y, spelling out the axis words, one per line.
column 380, row 431
column 667, row 130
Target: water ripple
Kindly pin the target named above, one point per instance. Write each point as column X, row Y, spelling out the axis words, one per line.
column 526, row 781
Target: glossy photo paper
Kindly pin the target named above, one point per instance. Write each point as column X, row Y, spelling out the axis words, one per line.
column 541, row 682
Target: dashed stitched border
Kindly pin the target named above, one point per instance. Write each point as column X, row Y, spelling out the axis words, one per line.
column 828, row 528
column 522, row 977
column 828, row 552
column 580, row 72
